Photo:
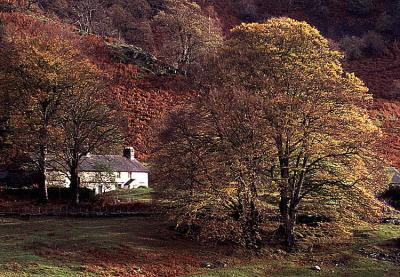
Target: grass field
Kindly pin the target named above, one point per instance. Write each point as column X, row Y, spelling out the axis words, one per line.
column 148, row 247
column 91, row 247
column 132, row 194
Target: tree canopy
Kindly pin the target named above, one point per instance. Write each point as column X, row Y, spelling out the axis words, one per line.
column 47, row 78
column 309, row 126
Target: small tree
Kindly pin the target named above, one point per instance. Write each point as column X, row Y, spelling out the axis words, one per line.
column 353, row 47
column 85, row 125
column 185, row 34
column 360, row 7
column 374, row 43
column 90, row 16
column 210, row 161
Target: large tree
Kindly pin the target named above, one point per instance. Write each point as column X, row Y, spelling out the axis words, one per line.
column 45, row 68
column 315, row 112
column 5, row 100
column 310, row 125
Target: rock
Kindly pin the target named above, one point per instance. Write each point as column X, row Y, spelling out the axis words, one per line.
column 220, row 264
column 129, row 54
column 217, row 264
column 317, row 268
column 207, row 265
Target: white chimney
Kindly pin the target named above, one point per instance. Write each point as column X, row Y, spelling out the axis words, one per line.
column 129, row 153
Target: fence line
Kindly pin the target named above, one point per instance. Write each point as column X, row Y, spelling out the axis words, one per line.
column 107, row 211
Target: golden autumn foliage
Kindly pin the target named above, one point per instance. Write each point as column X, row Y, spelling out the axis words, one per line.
column 305, row 134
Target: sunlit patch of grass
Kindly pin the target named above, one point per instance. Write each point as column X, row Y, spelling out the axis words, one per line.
column 385, row 231
column 342, row 260
column 358, row 267
column 141, row 193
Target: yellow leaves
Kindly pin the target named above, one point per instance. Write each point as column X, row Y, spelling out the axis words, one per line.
column 318, row 110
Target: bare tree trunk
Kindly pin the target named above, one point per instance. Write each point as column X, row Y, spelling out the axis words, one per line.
column 288, row 211
column 252, row 227
column 74, row 186
column 42, row 161
column 283, row 203
column 251, row 219
column 290, row 223
column 287, row 206
column 43, row 193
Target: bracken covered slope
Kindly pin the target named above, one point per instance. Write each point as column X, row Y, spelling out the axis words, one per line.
column 146, row 88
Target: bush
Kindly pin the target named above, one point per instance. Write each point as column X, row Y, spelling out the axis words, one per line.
column 318, row 8
column 353, row 47
column 55, row 193
column 385, row 23
column 64, row 193
column 371, row 43
column 360, row 7
column 374, row 43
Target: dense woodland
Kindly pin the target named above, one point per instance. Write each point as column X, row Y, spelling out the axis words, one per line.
column 295, row 110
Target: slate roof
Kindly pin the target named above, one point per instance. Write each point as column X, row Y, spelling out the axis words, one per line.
column 116, row 163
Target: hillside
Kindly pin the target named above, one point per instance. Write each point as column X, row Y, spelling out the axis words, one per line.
column 142, row 86
column 255, row 150
column 146, row 85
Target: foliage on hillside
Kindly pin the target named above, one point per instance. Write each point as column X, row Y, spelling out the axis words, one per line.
column 142, row 95
column 373, row 22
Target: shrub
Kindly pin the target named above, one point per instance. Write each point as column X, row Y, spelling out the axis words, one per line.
column 360, row 7
column 353, row 47
column 371, row 43
column 374, row 43
column 385, row 23
column 55, row 193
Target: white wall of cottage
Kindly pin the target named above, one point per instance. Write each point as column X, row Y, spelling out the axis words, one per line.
column 101, row 182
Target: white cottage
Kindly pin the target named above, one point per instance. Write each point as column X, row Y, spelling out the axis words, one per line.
column 104, row 173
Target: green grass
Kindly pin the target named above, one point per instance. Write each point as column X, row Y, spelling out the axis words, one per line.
column 18, row 242
column 134, row 194
column 354, row 263
column 76, row 247
column 50, row 246
column 358, row 267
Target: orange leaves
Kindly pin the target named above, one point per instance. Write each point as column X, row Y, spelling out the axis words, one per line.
column 52, row 54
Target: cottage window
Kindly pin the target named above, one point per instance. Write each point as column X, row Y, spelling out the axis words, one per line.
column 118, row 174
column 132, row 175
